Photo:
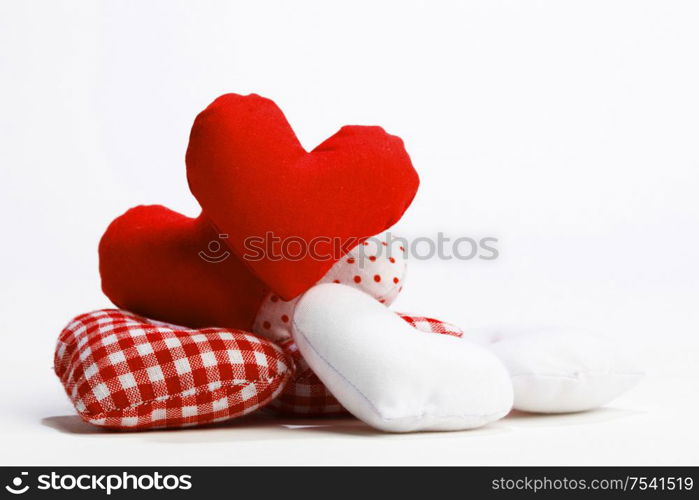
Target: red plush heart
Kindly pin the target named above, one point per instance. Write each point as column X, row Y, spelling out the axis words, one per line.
column 160, row 264
column 253, row 179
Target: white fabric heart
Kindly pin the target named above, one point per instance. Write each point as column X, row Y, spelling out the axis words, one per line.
column 390, row 376
column 560, row 370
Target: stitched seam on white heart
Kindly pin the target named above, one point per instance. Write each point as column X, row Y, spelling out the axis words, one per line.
column 371, row 405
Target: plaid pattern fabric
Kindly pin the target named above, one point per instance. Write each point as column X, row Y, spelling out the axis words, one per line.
column 306, row 395
column 126, row 372
column 431, row 325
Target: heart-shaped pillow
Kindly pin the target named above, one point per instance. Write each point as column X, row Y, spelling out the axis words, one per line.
column 154, row 262
column 390, row 378
column 306, row 395
column 258, row 185
column 126, row 372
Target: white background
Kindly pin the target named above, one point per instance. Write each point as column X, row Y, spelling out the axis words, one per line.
column 569, row 130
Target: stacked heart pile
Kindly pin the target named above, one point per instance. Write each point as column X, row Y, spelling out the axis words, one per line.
column 199, row 339
column 126, row 369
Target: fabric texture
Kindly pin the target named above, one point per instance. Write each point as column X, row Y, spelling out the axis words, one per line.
column 305, row 394
column 431, row 325
column 253, row 179
column 126, row 372
column 559, row 370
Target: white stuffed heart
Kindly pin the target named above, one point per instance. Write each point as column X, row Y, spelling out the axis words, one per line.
column 558, row 370
column 390, row 376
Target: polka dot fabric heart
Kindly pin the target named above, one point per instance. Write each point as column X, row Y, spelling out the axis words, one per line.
column 126, row 372
column 376, row 267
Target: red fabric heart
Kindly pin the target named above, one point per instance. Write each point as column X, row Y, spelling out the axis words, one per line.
column 151, row 263
column 252, row 177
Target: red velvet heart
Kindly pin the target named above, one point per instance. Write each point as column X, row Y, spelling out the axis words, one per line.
column 253, row 179
column 159, row 264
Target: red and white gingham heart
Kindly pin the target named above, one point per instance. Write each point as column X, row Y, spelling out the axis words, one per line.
column 431, row 325
column 127, row 372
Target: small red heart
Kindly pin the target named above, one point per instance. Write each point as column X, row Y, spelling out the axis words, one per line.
column 160, row 264
column 252, row 177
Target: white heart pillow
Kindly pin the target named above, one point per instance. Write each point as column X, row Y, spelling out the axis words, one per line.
column 559, row 370
column 391, row 376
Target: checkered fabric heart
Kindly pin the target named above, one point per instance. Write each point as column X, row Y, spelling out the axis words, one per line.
column 307, row 395
column 126, row 372
column 431, row 325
